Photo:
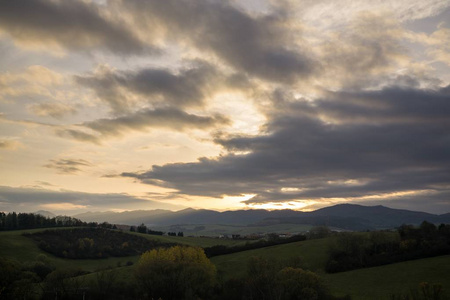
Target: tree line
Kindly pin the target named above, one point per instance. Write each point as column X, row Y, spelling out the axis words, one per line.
column 222, row 250
column 360, row 250
column 16, row 221
column 94, row 243
column 143, row 229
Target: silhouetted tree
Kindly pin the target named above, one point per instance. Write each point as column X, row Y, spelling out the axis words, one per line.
column 142, row 228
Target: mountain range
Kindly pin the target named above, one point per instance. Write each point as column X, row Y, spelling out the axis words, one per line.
column 345, row 216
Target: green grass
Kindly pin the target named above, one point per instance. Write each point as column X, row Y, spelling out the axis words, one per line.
column 121, row 274
column 192, row 241
column 380, row 282
column 15, row 246
column 313, row 254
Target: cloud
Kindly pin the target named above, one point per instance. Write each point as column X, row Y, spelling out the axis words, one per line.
column 439, row 42
column 350, row 145
column 343, row 101
column 72, row 25
column 34, row 81
column 393, row 104
column 190, row 86
column 24, row 199
column 168, row 118
column 9, row 144
column 55, row 110
column 370, row 45
column 436, row 203
column 263, row 45
column 329, row 13
column 78, row 135
column 33, row 74
column 68, row 166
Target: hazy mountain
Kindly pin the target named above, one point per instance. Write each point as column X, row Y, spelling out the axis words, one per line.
column 45, row 213
column 378, row 216
column 346, row 216
column 358, row 217
column 127, row 217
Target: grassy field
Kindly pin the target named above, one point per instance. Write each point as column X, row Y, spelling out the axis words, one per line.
column 217, row 230
column 381, row 282
column 193, row 241
column 313, row 254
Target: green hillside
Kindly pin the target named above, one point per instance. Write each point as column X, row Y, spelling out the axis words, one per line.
column 370, row 283
column 313, row 255
column 380, row 282
column 13, row 245
column 193, row 241
column 23, row 249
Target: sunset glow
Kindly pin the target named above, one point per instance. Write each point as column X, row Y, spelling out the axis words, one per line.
column 139, row 105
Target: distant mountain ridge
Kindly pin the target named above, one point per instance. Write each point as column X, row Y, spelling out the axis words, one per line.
column 345, row 216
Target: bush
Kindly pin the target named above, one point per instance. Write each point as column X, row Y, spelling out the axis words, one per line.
column 175, row 273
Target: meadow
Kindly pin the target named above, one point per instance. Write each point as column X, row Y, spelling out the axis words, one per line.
column 369, row 283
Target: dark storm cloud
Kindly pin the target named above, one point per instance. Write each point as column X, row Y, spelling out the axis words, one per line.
column 68, row 166
column 261, row 45
column 170, row 118
column 397, row 142
column 74, row 25
column 392, row 104
column 189, row 87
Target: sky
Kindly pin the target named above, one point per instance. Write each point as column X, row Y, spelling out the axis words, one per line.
column 121, row 105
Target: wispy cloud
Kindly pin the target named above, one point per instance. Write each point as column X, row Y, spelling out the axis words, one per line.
column 10, row 144
column 55, row 110
column 68, row 166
